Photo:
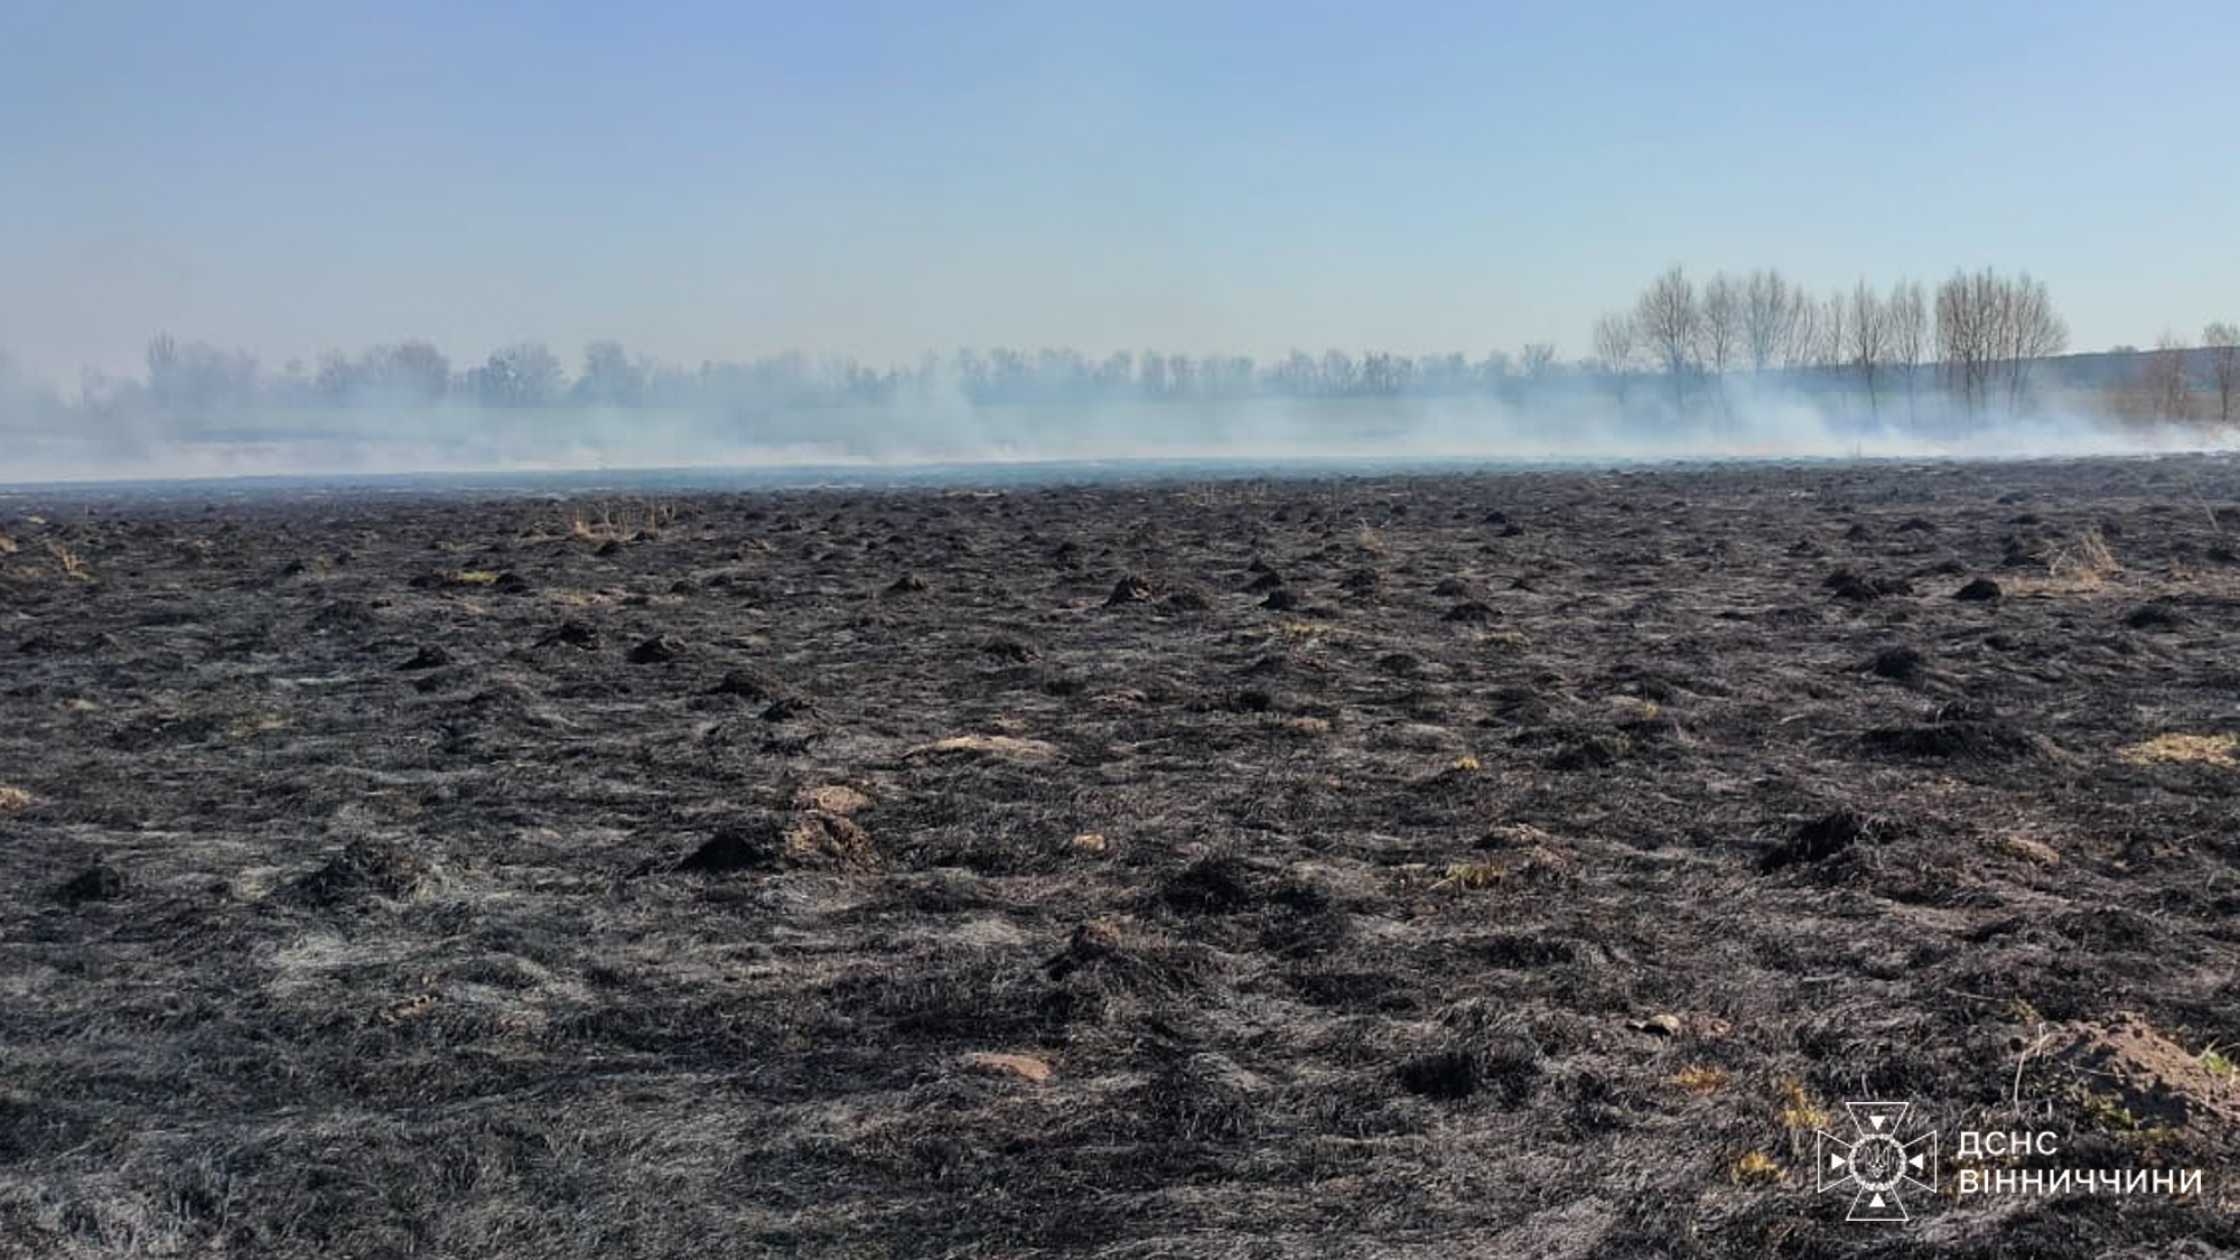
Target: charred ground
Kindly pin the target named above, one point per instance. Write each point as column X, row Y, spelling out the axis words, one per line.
column 1512, row 864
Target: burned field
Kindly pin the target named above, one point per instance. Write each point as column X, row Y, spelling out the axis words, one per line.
column 1506, row 864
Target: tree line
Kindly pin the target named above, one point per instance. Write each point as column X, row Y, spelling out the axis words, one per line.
column 1980, row 332
column 1973, row 343
column 195, row 378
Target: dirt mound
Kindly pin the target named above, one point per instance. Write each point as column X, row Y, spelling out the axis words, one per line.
column 1129, row 590
column 2153, row 1079
column 1470, row 612
column 1282, row 599
column 572, row 633
column 786, row 708
column 810, row 839
column 1980, row 591
column 1004, row 648
column 658, row 650
column 734, row 849
column 98, row 882
column 1898, row 663
column 1268, row 580
column 1221, row 884
column 1823, row 838
column 749, row 684
column 342, row 614
column 366, row 868
column 1478, row 1056
column 1961, row 730
column 1858, row 588
column 1187, row 599
column 908, row 584
column 428, row 657
column 2154, row 617
column 1590, row 752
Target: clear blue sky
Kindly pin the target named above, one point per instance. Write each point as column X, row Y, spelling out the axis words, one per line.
column 726, row 179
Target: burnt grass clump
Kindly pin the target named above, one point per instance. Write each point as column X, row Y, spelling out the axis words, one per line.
column 1515, row 863
column 1824, row 838
column 1960, row 730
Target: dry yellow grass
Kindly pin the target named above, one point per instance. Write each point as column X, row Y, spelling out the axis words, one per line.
column 992, row 745
column 1755, row 1168
column 474, row 577
column 2028, row 848
column 251, row 725
column 2086, row 563
column 1798, row 1112
column 1699, row 1078
column 2207, row 750
column 606, row 521
column 7, row 545
column 72, row 565
column 1467, row 763
column 1472, row 876
column 13, row 799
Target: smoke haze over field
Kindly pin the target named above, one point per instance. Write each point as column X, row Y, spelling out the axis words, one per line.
column 1563, row 427
column 281, row 187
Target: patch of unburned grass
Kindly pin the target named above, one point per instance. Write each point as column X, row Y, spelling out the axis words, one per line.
column 603, row 521
column 73, row 565
column 1472, row 876
column 13, row 799
column 2208, row 750
column 2086, row 563
column 1636, row 708
column 1799, row 1114
column 1698, row 1078
column 1755, row 1168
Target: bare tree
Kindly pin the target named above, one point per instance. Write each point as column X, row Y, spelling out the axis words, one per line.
column 1908, row 314
column 1835, row 336
column 2222, row 341
column 1804, row 332
column 1990, row 330
column 1771, row 309
column 1668, row 316
column 1869, row 341
column 2163, row 373
column 1538, row 358
column 1720, row 330
column 1616, row 340
column 1964, row 336
column 1721, row 325
column 2035, row 331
